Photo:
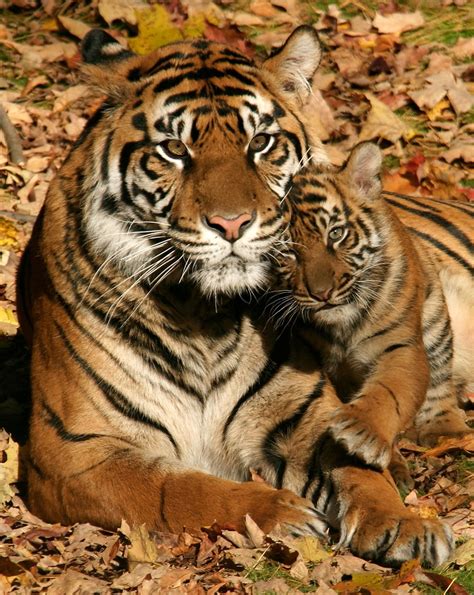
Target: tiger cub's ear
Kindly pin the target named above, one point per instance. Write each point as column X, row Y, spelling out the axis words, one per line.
column 107, row 65
column 363, row 170
column 294, row 64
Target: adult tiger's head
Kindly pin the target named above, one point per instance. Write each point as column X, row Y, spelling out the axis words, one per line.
column 339, row 228
column 191, row 155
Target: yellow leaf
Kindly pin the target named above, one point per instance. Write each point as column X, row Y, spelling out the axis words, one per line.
column 8, row 233
column 8, row 316
column 437, row 110
column 143, row 549
column 366, row 43
column 310, row 548
column 155, row 29
column 195, row 26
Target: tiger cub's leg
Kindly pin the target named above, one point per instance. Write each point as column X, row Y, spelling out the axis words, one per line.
column 440, row 414
column 400, row 471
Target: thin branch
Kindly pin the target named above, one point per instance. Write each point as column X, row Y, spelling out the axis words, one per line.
column 11, row 137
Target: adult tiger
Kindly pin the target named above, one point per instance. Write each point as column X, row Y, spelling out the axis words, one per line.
column 374, row 309
column 155, row 389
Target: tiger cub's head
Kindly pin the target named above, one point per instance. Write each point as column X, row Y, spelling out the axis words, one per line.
column 186, row 163
column 337, row 233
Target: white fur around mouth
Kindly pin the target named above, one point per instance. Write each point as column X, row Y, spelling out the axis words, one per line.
column 230, row 276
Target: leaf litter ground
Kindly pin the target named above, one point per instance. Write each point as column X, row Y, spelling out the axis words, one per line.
column 399, row 73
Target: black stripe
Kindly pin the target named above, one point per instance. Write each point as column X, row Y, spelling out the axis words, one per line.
column 284, row 429
column 442, row 222
column 392, row 394
column 274, row 363
column 53, row 420
column 395, row 346
column 113, row 396
column 443, row 248
column 428, row 203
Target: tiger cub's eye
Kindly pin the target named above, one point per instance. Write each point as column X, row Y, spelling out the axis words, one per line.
column 336, row 233
column 260, row 142
column 175, row 148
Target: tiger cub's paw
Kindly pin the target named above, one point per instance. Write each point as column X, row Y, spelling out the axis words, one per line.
column 353, row 428
column 390, row 538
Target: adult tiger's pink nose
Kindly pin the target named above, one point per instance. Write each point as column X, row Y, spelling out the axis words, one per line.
column 230, row 229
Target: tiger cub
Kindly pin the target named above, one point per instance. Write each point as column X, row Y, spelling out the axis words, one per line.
column 375, row 307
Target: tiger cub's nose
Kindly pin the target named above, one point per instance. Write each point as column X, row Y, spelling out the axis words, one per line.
column 230, row 228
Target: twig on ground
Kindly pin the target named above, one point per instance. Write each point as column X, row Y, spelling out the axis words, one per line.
column 11, row 137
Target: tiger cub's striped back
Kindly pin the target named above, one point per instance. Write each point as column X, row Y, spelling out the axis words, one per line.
column 374, row 308
column 445, row 230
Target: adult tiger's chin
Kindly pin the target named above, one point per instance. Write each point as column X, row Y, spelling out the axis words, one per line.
column 231, row 276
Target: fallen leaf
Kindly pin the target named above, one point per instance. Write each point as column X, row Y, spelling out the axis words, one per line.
column 37, row 164
column 69, row 96
column 9, row 466
column 464, row 48
column 383, row 123
column 311, row 549
column 256, row 535
column 142, row 548
column 448, row 585
column 465, row 443
column 73, row 26
column 462, row 555
column 120, row 10
column 155, row 29
column 436, row 112
column 398, row 22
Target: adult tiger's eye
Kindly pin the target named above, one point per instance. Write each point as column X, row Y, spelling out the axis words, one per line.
column 260, row 142
column 336, row 233
column 175, row 148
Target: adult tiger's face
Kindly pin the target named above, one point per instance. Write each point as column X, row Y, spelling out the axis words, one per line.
column 192, row 156
column 338, row 232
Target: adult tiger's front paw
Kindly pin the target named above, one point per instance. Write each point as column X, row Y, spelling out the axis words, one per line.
column 392, row 538
column 353, row 428
column 285, row 508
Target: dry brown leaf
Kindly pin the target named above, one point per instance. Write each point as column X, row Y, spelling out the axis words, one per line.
column 459, row 150
column 256, row 535
column 17, row 113
column 462, row 555
column 69, row 96
column 348, row 62
column 9, row 448
column 465, row 443
column 245, row 19
column 383, row 123
column 398, row 22
column 37, row 164
column 120, row 10
column 263, row 8
column 464, row 48
column 74, row 27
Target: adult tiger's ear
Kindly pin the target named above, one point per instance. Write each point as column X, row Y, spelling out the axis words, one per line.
column 363, row 169
column 295, row 63
column 108, row 66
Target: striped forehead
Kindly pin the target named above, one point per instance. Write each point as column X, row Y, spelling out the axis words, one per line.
column 319, row 202
column 192, row 93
